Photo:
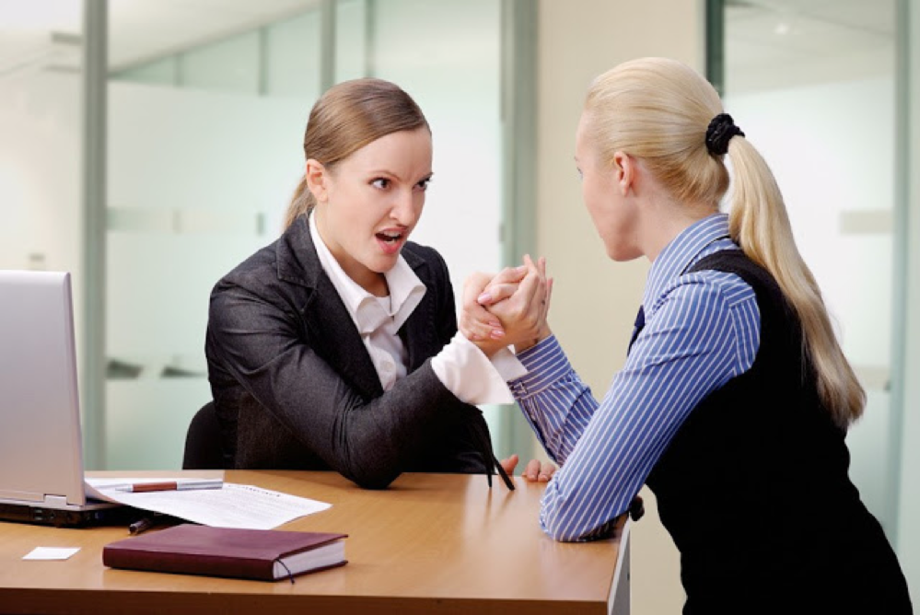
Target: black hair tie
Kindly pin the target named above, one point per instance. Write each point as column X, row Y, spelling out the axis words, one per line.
column 721, row 129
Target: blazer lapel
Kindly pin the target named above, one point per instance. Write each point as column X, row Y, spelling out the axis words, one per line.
column 331, row 330
column 337, row 339
column 418, row 333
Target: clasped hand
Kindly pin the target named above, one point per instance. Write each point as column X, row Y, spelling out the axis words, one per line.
column 509, row 308
column 505, row 309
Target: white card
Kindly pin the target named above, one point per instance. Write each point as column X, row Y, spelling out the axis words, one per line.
column 51, row 553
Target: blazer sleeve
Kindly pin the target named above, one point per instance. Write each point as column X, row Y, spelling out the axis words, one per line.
column 469, row 434
column 368, row 441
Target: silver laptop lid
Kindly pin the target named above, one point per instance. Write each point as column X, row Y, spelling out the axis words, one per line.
column 41, row 450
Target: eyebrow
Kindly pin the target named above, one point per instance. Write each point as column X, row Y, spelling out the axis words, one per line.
column 429, row 175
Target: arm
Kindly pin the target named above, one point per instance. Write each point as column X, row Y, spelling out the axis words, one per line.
column 555, row 401
column 369, row 442
column 697, row 340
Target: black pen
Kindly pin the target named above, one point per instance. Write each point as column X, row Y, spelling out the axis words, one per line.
column 143, row 524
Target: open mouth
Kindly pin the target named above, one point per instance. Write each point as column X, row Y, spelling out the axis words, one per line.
column 390, row 237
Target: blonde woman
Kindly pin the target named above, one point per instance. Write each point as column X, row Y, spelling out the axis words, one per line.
column 334, row 348
column 735, row 398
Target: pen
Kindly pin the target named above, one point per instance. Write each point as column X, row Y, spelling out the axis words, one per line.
column 145, row 523
column 141, row 525
column 172, row 486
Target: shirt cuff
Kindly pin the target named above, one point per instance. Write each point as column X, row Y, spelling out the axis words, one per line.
column 506, row 364
column 545, row 363
column 467, row 372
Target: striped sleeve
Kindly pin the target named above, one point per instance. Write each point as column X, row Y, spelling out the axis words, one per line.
column 556, row 403
column 703, row 332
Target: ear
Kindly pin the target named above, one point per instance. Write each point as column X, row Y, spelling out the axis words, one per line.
column 317, row 180
column 624, row 168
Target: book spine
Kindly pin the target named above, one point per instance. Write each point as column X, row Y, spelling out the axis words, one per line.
column 201, row 564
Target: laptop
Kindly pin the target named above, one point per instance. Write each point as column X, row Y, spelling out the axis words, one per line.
column 41, row 449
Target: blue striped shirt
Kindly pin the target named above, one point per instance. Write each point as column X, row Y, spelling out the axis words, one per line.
column 701, row 330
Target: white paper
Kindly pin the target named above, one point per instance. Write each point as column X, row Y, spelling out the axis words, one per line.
column 240, row 506
column 101, row 488
column 49, row 553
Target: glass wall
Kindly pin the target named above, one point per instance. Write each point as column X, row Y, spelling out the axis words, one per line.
column 814, row 91
column 40, row 150
column 205, row 149
column 907, row 339
column 41, row 144
column 818, row 88
column 199, row 169
column 202, row 119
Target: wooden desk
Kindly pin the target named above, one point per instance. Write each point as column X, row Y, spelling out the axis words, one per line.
column 432, row 543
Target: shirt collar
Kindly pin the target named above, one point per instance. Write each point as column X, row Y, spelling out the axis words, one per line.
column 368, row 314
column 684, row 250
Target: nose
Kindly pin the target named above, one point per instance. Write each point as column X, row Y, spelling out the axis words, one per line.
column 406, row 207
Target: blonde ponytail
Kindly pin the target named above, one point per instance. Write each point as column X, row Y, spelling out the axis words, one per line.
column 759, row 223
column 658, row 110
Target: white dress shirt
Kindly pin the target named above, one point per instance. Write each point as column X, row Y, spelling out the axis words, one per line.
column 460, row 366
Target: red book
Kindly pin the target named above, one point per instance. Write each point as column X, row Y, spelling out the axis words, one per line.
column 265, row 555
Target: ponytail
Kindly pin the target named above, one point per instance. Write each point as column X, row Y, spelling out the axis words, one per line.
column 301, row 203
column 759, row 223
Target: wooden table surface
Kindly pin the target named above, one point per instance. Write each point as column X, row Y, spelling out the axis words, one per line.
column 431, row 543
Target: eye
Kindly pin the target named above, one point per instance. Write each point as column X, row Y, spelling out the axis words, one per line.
column 423, row 185
column 381, row 183
column 580, row 174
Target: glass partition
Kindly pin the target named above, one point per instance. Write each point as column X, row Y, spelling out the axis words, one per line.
column 205, row 149
column 41, row 143
column 812, row 84
column 198, row 152
column 40, row 151
column 907, row 284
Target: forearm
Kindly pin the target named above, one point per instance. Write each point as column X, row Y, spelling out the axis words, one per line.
column 555, row 401
column 369, row 441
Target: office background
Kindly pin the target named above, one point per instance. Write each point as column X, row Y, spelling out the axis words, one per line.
column 149, row 146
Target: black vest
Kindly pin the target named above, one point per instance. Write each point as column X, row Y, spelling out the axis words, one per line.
column 755, row 493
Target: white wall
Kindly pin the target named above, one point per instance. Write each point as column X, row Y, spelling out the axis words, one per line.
column 594, row 299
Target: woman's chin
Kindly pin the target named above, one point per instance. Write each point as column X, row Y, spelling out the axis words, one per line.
column 383, row 263
column 622, row 254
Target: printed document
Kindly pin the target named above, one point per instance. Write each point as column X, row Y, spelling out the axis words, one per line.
column 239, row 506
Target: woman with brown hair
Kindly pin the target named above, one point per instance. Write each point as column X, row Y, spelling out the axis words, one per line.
column 334, row 347
column 735, row 398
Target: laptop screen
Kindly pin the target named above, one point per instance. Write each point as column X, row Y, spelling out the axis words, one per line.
column 41, row 450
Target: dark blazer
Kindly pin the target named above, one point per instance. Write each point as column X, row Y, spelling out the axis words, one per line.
column 295, row 388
